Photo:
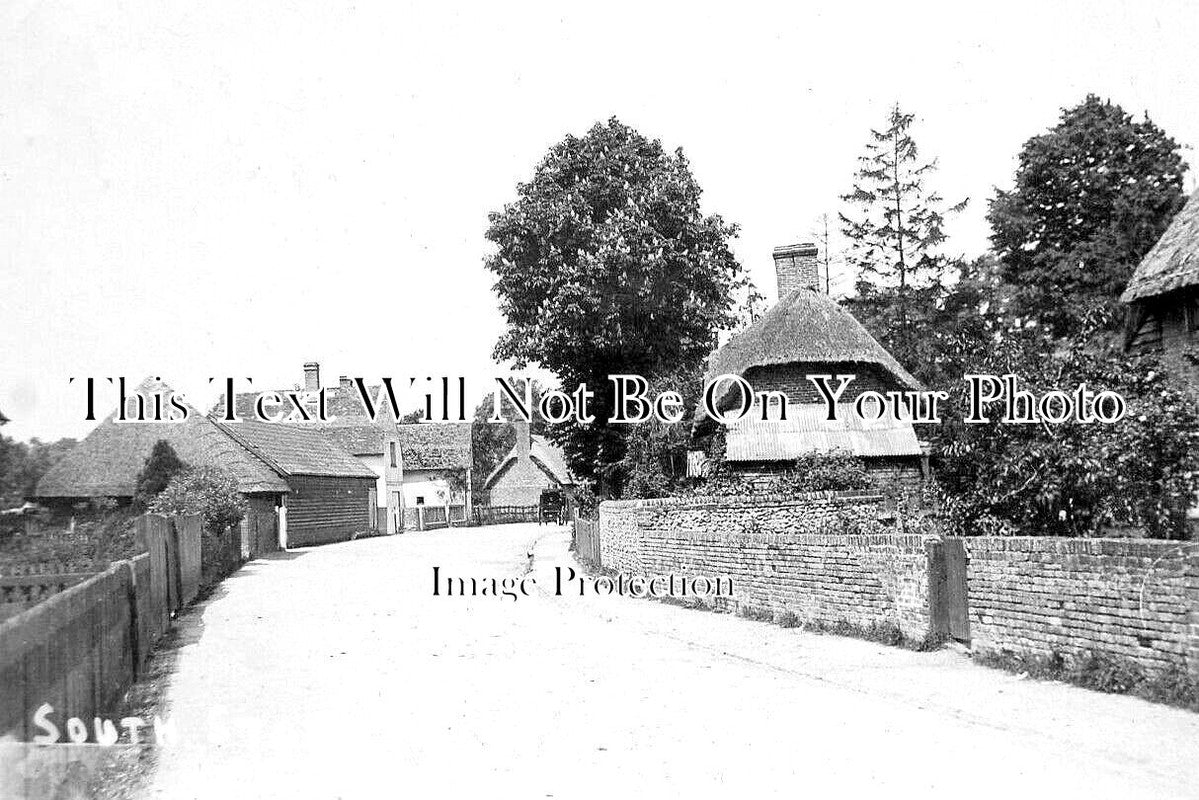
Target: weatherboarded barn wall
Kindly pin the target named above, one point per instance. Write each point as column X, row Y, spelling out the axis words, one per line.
column 325, row 509
column 822, row 556
column 1132, row 599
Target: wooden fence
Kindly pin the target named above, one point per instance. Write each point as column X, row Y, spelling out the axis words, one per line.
column 19, row 592
column 502, row 515
column 585, row 541
column 79, row 649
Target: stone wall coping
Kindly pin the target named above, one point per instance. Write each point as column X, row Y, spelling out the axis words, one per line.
column 1082, row 546
column 912, row 540
column 760, row 500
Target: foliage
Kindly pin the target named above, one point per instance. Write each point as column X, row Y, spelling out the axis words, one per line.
column 413, row 417
column 605, row 264
column 655, row 460
column 23, row 465
column 161, row 465
column 207, row 491
column 1091, row 197
column 1073, row 478
column 1102, row 672
column 895, row 238
column 102, row 533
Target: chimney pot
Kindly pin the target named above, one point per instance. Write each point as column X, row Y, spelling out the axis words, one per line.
column 796, row 267
column 312, row 376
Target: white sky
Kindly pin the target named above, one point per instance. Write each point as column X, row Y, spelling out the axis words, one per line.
column 234, row 188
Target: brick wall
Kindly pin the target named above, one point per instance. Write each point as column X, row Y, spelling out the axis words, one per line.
column 822, row 556
column 1135, row 599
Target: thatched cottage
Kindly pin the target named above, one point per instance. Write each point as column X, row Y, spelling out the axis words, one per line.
column 1163, row 293
column 805, row 333
column 533, row 466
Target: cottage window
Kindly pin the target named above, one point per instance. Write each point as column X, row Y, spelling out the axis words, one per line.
column 1148, row 333
column 393, row 453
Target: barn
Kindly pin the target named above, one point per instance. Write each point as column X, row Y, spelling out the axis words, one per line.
column 287, row 470
column 1163, row 294
column 330, row 495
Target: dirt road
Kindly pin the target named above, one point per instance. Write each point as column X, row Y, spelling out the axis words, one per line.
column 334, row 672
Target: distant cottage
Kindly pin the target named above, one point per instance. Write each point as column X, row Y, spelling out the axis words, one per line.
column 437, row 466
column 533, row 466
column 1163, row 292
column 805, row 333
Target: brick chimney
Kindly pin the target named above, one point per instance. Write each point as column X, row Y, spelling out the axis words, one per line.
column 312, row 376
column 797, row 268
column 345, row 383
column 523, row 439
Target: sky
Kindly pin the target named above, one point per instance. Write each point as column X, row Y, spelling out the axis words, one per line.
column 232, row 189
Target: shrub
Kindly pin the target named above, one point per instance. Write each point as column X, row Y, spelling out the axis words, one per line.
column 209, row 492
column 160, row 467
column 815, row 472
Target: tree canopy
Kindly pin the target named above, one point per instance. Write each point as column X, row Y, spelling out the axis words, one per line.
column 1091, row 197
column 895, row 227
column 604, row 264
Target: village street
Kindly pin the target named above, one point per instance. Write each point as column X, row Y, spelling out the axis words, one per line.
column 333, row 672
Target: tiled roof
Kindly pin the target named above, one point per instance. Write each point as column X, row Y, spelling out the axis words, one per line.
column 436, row 445
column 1173, row 263
column 360, row 440
column 349, row 425
column 107, row 462
column 297, row 449
column 807, row 430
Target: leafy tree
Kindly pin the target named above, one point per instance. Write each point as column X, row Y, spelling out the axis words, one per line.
column 23, row 465
column 655, row 460
column 207, row 491
column 894, row 238
column 1091, row 197
column 160, row 466
column 605, row 264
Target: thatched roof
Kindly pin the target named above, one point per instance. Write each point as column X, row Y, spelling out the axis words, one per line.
column 436, row 445
column 1173, row 263
column 297, row 448
column 545, row 455
column 107, row 462
column 805, row 327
